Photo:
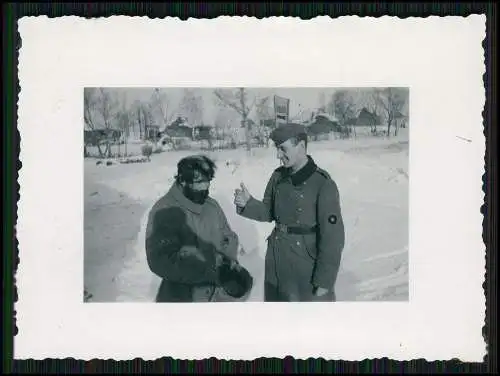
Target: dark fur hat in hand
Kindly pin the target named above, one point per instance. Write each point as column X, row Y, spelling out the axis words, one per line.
column 236, row 281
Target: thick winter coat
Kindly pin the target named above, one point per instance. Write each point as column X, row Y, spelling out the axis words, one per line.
column 182, row 239
column 297, row 263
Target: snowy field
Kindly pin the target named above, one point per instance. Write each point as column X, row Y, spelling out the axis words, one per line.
column 372, row 176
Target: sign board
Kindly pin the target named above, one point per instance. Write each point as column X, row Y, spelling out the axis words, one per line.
column 281, row 109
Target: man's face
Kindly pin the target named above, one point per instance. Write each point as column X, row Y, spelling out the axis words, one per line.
column 197, row 190
column 200, row 182
column 290, row 154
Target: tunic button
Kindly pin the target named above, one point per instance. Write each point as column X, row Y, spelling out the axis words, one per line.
column 299, row 209
column 301, row 196
column 298, row 243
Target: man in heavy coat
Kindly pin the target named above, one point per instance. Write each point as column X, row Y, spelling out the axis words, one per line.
column 188, row 237
column 305, row 248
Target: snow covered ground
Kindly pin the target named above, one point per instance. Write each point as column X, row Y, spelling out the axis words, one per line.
column 372, row 175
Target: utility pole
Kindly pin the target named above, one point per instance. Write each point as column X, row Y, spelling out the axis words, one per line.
column 244, row 121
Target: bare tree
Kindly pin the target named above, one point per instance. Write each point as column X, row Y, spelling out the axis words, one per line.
column 100, row 102
column 391, row 101
column 151, row 121
column 329, row 108
column 147, row 117
column 89, row 103
column 107, row 107
column 140, row 122
column 192, row 107
column 344, row 107
column 263, row 108
column 374, row 108
column 124, row 117
column 142, row 113
column 265, row 114
column 162, row 104
column 227, row 123
column 136, row 114
column 322, row 105
column 367, row 99
column 238, row 100
column 222, row 121
column 90, row 100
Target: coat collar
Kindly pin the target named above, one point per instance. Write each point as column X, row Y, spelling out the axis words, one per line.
column 304, row 173
column 183, row 201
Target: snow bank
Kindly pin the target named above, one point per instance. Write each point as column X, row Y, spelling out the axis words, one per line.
column 136, row 282
column 373, row 182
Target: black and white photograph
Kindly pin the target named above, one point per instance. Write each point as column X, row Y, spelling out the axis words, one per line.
column 319, row 181
column 246, row 194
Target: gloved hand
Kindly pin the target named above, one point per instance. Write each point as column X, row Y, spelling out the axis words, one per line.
column 223, row 260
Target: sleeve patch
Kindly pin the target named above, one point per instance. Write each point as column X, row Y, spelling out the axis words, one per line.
column 332, row 219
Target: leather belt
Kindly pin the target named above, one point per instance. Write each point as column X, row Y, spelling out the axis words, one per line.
column 301, row 230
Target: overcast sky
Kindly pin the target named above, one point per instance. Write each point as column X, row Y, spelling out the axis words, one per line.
column 300, row 98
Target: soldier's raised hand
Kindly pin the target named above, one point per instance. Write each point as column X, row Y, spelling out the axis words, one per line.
column 241, row 196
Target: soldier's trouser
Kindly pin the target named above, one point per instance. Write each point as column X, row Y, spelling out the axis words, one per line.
column 272, row 294
column 289, row 280
column 289, row 270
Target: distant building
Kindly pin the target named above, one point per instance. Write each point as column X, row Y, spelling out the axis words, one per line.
column 203, row 132
column 305, row 116
column 95, row 136
column 367, row 118
column 179, row 129
column 322, row 124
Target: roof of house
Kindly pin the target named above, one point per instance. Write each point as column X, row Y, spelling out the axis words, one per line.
column 366, row 117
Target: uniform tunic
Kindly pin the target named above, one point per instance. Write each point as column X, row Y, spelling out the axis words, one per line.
column 296, row 263
column 182, row 239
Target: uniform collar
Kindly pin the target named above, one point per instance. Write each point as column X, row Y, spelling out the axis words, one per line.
column 184, row 202
column 304, row 173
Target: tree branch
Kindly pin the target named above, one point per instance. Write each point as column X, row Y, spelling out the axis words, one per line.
column 250, row 108
column 227, row 102
column 88, row 103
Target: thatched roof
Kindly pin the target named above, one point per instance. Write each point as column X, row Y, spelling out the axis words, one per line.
column 321, row 125
column 325, row 115
column 367, row 118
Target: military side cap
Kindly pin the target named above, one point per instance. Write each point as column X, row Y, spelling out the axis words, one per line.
column 286, row 131
column 236, row 282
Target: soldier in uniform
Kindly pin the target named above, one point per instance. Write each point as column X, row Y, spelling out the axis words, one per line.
column 189, row 243
column 305, row 247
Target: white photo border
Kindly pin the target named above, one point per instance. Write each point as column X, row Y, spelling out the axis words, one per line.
column 441, row 59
